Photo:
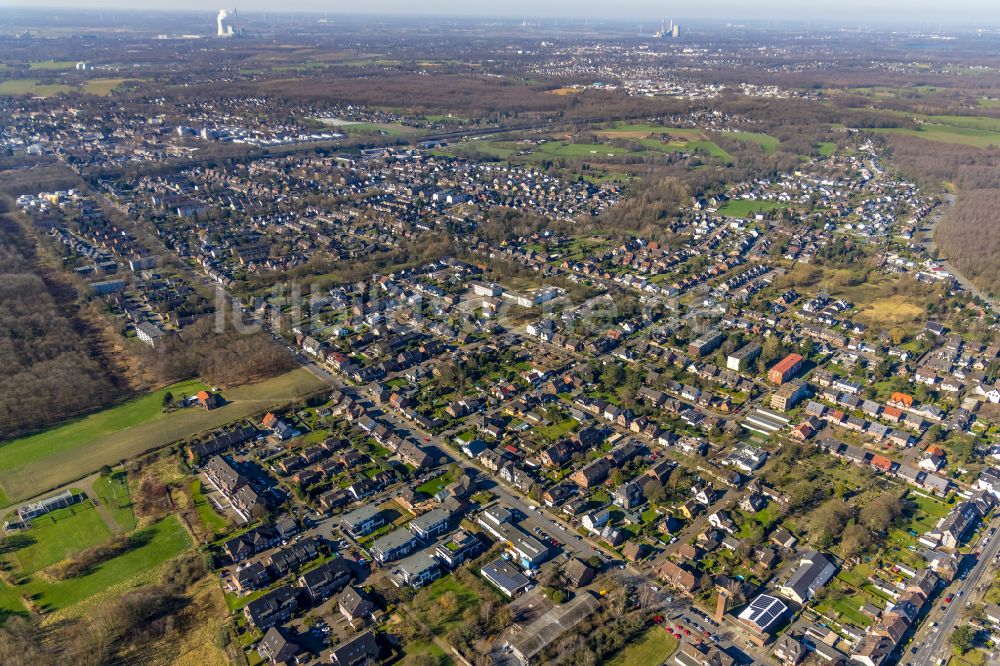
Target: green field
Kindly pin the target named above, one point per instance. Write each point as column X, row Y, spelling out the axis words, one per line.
column 418, row 652
column 60, row 533
column 765, row 141
column 845, row 608
column 703, row 145
column 747, row 207
column 985, row 123
column 32, row 87
column 113, row 492
column 74, row 435
column 10, row 602
column 645, row 129
column 557, row 430
column 36, row 463
column 443, row 617
column 678, row 139
column 209, row 517
column 653, row 647
column 53, row 64
column 827, row 148
column 944, row 134
column 976, row 131
column 501, row 150
column 391, row 129
column 162, row 541
column 596, row 150
column 103, row 87
column 645, row 139
column 435, row 485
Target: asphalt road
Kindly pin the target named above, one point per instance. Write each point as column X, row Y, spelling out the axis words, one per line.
column 934, row 641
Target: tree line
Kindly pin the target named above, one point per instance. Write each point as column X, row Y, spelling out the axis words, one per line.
column 223, row 358
column 50, row 371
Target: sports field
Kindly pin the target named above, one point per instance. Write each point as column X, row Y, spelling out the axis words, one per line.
column 158, row 543
column 113, row 493
column 34, row 464
column 56, row 535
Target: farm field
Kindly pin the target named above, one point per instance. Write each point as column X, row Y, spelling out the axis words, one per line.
column 36, row 463
column 678, row 138
column 32, row 87
column 498, row 149
column 566, row 91
column 103, row 87
column 985, row 123
column 963, row 136
column 53, row 64
column 765, row 141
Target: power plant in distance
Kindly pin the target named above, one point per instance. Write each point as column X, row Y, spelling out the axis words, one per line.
column 229, row 24
column 673, row 30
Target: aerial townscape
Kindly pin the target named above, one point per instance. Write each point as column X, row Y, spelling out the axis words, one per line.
column 337, row 339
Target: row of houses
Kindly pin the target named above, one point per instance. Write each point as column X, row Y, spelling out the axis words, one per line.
column 932, row 483
column 310, row 588
column 234, row 486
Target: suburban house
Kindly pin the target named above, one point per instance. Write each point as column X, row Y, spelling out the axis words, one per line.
column 362, row 651
column 275, row 607
column 814, row 571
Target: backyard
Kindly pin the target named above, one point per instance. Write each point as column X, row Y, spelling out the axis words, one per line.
column 652, row 647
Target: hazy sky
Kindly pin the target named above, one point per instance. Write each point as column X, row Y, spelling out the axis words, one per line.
column 973, row 12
